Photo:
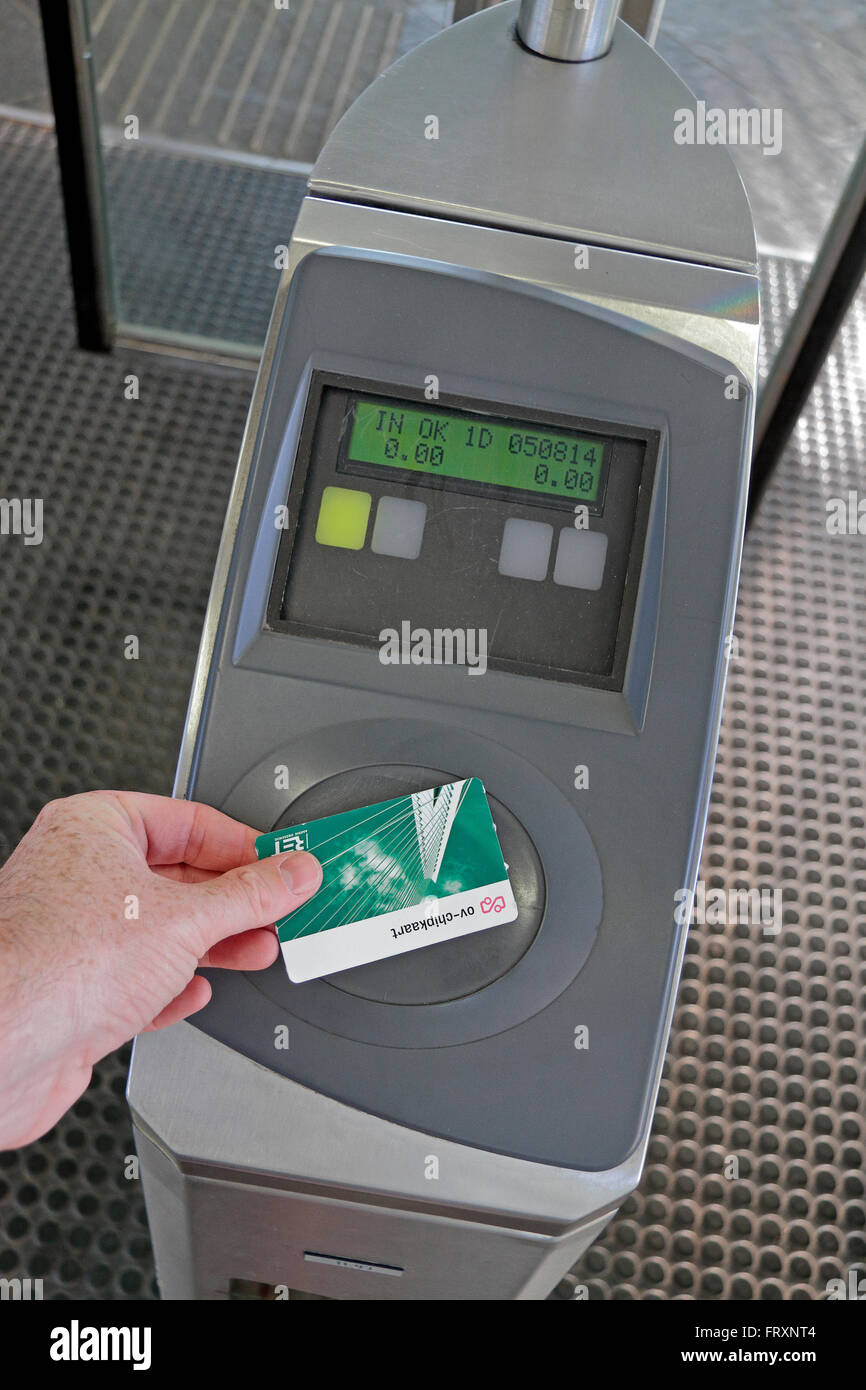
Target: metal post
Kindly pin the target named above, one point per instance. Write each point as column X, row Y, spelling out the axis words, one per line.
column 69, row 62
column 644, row 16
column 835, row 276
column 560, row 29
column 464, row 8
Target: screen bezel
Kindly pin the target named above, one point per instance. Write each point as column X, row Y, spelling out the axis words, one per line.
column 320, row 381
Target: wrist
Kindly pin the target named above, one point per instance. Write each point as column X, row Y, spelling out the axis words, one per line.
column 41, row 1073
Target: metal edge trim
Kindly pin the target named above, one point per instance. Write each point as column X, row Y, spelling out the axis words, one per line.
column 192, row 722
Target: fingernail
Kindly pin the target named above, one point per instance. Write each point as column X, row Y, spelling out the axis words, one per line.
column 301, row 871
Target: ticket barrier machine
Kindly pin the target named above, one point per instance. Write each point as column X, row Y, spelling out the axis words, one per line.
column 507, row 392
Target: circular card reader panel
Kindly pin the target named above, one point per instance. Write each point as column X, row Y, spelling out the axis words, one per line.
column 458, row 991
column 450, row 969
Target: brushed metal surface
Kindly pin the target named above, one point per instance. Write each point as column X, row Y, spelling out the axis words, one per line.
column 582, row 151
column 220, row 1114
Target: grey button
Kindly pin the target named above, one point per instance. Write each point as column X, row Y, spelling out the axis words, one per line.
column 580, row 558
column 399, row 527
column 525, row 548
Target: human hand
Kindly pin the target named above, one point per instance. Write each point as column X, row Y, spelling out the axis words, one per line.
column 107, row 907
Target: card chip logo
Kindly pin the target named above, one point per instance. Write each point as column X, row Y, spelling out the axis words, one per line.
column 293, row 839
column 496, row 904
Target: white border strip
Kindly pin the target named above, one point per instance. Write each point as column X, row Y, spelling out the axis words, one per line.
column 358, row 943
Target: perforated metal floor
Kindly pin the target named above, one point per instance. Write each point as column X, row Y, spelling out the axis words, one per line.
column 765, row 1061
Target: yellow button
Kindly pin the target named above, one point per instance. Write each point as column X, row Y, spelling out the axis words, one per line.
column 343, row 517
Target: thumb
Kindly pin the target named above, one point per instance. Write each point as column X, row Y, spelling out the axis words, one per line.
column 254, row 895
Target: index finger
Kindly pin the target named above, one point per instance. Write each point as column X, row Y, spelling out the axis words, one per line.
column 189, row 832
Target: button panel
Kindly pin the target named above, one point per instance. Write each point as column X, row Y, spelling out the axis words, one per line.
column 343, row 517
column 580, row 558
column 399, row 527
column 525, row 552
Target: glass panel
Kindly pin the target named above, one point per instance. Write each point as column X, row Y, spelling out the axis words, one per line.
column 782, row 61
column 212, row 113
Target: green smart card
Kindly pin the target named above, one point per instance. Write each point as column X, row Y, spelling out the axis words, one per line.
column 397, row 875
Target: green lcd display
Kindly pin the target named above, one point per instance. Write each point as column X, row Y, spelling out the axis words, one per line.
column 478, row 450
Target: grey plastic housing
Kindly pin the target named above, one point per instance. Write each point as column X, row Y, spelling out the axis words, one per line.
column 615, row 854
